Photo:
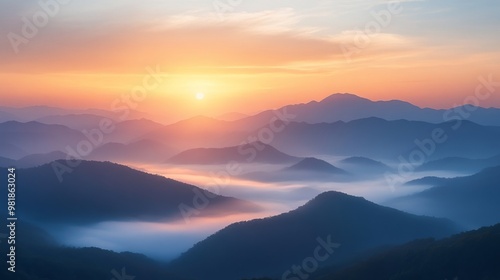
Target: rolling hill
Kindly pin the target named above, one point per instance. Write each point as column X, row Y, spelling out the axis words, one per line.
column 101, row 191
column 469, row 255
column 459, row 164
column 23, row 139
column 314, row 165
column 269, row 247
column 40, row 257
column 6, row 162
column 39, row 159
column 306, row 170
column 256, row 152
column 471, row 201
column 141, row 151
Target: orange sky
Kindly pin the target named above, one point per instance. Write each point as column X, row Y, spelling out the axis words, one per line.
column 255, row 59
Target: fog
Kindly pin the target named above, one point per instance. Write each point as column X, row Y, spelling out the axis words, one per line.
column 163, row 241
column 167, row 240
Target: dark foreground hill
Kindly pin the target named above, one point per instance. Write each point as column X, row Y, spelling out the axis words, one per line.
column 102, row 191
column 269, row 247
column 39, row 257
column 470, row 255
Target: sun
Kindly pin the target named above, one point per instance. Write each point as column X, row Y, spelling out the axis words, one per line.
column 200, row 95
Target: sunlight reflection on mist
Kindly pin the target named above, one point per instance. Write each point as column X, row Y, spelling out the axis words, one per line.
column 167, row 240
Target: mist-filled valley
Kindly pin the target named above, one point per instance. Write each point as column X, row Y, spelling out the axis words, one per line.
column 206, row 198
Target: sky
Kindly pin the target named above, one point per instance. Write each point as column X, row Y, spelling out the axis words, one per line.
column 177, row 59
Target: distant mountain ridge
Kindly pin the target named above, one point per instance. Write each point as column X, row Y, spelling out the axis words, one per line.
column 315, row 165
column 471, row 201
column 308, row 169
column 363, row 166
column 381, row 139
column 347, row 107
column 256, row 152
column 460, row 164
column 22, row 139
column 33, row 113
column 335, row 107
column 372, row 137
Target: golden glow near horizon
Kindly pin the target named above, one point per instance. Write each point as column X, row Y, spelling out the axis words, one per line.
column 200, row 95
column 259, row 55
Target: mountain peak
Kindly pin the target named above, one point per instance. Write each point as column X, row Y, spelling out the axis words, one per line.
column 343, row 97
column 314, row 164
column 330, row 197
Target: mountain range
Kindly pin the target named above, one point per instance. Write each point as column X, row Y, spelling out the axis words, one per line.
column 348, row 107
column 255, row 152
column 296, row 150
column 471, row 201
column 270, row 246
column 342, row 125
column 382, row 139
column 311, row 164
column 23, row 139
column 308, row 169
column 460, row 164
column 469, row 255
column 32, row 113
column 101, row 191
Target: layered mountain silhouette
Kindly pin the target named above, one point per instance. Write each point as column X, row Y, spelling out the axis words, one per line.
column 75, row 121
column 6, row 162
column 311, row 164
column 269, row 247
column 101, row 191
column 372, row 137
column 39, row 159
column 364, row 167
column 307, row 169
column 116, row 131
column 336, row 107
column 32, row 113
column 23, row 139
column 347, row 107
column 40, row 257
column 365, row 162
column 355, row 233
column 469, row 255
column 141, row 151
column 255, row 152
column 471, row 201
column 428, row 181
column 334, row 128
column 131, row 131
column 201, row 131
column 460, row 164
column 381, row 139
column 231, row 116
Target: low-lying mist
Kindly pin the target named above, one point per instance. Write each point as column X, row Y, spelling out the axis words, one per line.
column 167, row 240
